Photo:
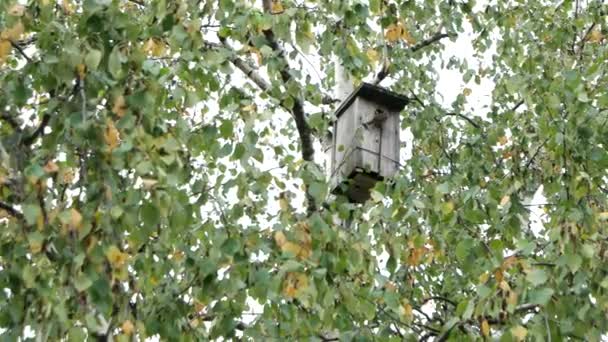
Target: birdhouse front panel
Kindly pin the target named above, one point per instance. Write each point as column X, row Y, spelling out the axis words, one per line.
column 379, row 145
column 365, row 141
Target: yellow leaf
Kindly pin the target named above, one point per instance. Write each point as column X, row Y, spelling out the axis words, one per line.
column 50, row 167
column 295, row 283
column 595, row 36
column 120, row 106
column 509, row 262
column 505, row 200
column 393, row 32
column 503, row 140
column 415, row 256
column 111, row 135
column 154, row 47
column 467, row 91
column 280, row 239
column 276, row 7
column 447, row 207
column 373, row 55
column 603, row 216
column 504, row 286
column 67, row 6
column 483, row 278
column 498, row 275
column 512, row 299
column 13, row 33
column 390, row 286
column 81, row 69
column 16, row 10
column 291, row 247
column 405, row 35
column 115, row 257
column 68, row 176
column 485, row 328
column 5, row 49
column 127, row 327
column 75, row 219
column 407, row 311
column 35, row 247
column 519, row 332
column 249, row 108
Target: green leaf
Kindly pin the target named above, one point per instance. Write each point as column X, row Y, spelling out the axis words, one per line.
column 226, row 129
column 115, row 63
column 82, row 282
column 540, row 296
column 92, row 59
column 537, row 276
column 31, row 213
column 150, row 215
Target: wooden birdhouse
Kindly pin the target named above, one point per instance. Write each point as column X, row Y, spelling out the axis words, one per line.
column 365, row 145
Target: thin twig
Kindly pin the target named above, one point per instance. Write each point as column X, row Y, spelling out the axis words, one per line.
column 43, row 123
column 464, row 117
column 11, row 211
column 21, row 52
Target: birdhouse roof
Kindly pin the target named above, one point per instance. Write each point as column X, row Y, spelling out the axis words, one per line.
column 376, row 94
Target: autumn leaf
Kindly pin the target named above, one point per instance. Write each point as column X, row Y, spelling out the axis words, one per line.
column 120, row 106
column 50, row 167
column 483, row 278
column 154, row 47
column 280, row 238
column 67, row 6
column 519, row 332
column 111, row 135
column 81, row 70
column 127, row 327
column 485, row 328
column 407, row 311
column 405, row 35
column 372, row 55
column 75, row 219
column 503, row 140
column 5, row 50
column 512, row 299
column 116, row 258
column 294, row 284
column 276, row 7
column 67, row 176
column 13, row 33
column 467, row 91
column 393, row 33
column 595, row 36
column 17, row 10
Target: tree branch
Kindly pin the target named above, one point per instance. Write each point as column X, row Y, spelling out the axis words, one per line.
column 429, row 41
column 464, row 117
column 421, row 45
column 20, row 50
column 43, row 123
column 11, row 211
column 524, row 308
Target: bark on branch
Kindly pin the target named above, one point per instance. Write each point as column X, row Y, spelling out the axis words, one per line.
column 11, row 211
column 429, row 41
